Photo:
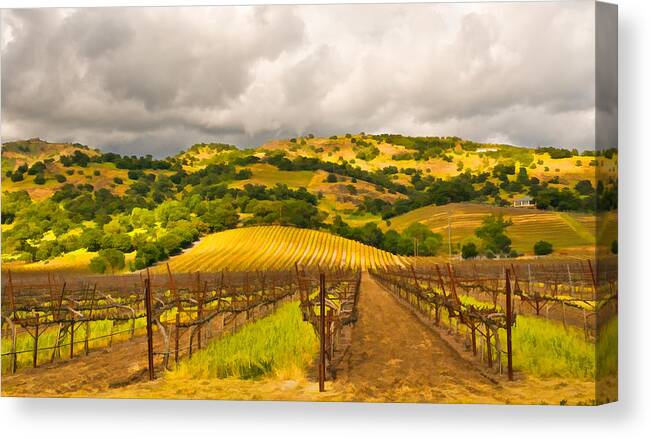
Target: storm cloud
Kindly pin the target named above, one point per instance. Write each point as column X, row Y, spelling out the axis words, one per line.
column 155, row 80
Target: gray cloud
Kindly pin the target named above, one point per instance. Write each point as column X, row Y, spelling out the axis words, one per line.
column 155, row 80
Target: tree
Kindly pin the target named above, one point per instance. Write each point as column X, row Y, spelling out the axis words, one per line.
column 543, row 248
column 613, row 247
column 91, row 239
column 114, row 258
column 469, row 251
column 148, row 254
column 584, row 187
column 492, row 233
column 332, row 178
column 39, row 179
column 98, row 264
column 220, row 218
column 429, row 242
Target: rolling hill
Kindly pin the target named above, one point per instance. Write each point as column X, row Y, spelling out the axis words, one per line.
column 564, row 230
column 277, row 247
column 50, row 189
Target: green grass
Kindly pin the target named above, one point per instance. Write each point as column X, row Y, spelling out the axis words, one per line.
column 607, row 349
column 270, row 176
column 277, row 343
column 545, row 349
column 24, row 342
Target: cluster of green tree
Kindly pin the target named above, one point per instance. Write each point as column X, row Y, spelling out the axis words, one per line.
column 415, row 238
column 582, row 198
column 157, row 233
column 364, row 150
column 217, row 147
column 493, row 240
column 429, row 190
column 427, row 147
column 209, row 206
column 78, row 158
column 558, row 153
column 132, row 162
column 379, row 178
column 524, row 156
column 37, row 169
column 291, row 212
column 606, row 196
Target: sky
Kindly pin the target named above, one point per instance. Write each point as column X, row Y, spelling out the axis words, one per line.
column 157, row 80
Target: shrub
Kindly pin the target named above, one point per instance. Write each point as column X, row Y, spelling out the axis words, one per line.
column 60, row 178
column 584, row 187
column 469, row 251
column 332, row 178
column 98, row 264
column 543, row 248
column 39, row 179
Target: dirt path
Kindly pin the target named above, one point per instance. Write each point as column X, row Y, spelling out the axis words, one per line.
column 394, row 357
column 99, row 371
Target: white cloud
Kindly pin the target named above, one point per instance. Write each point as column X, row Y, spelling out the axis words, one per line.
column 154, row 80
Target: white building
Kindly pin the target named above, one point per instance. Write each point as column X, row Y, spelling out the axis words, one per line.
column 525, row 201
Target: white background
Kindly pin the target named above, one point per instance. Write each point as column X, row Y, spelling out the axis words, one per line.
column 631, row 417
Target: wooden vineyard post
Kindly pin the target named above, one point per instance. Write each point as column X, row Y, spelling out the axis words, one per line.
column 12, row 301
column 36, row 334
column 329, row 333
column 509, row 320
column 473, row 330
column 14, row 356
column 322, row 332
column 150, row 341
column 489, row 352
column 72, row 338
column 593, row 279
column 90, row 315
column 176, row 338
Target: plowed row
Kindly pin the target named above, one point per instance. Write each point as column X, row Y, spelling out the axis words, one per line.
column 278, row 247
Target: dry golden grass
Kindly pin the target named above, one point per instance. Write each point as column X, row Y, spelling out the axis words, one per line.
column 74, row 262
column 563, row 230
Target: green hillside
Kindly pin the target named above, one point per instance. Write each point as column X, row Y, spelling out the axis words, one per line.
column 61, row 200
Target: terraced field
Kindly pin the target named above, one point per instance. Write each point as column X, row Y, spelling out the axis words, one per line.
column 563, row 230
column 277, row 247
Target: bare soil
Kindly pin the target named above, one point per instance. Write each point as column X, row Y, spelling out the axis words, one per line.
column 394, row 357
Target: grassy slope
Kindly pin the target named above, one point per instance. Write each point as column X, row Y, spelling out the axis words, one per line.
column 341, row 148
column 74, row 262
column 563, row 230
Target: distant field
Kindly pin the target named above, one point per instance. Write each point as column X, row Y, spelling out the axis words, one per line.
column 277, row 247
column 76, row 262
column 269, row 175
column 563, row 230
